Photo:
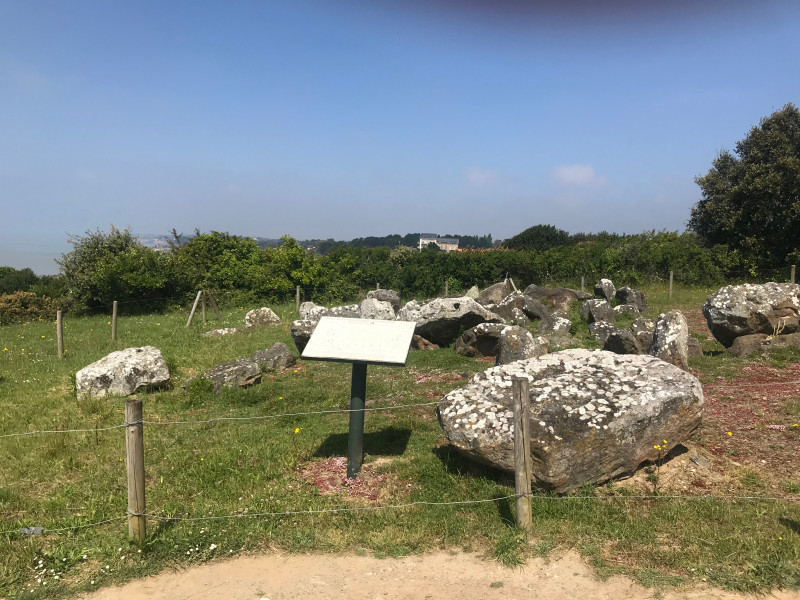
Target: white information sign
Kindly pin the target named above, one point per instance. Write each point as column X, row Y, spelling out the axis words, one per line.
column 360, row 340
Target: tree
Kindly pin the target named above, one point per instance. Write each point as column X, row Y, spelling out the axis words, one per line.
column 751, row 199
column 538, row 237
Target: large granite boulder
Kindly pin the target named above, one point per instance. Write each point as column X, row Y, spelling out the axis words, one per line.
column 600, row 330
column 123, row 373
column 517, row 343
column 443, row 319
column 236, row 373
column 473, row 292
column 605, row 290
column 597, row 310
column 533, row 309
column 480, row 341
column 643, row 330
column 557, row 324
column 671, row 339
column 556, row 298
column 594, row 415
column 626, row 295
column 372, row 308
column 493, row 294
column 275, row 358
column 301, row 331
column 261, row 316
column 737, row 310
column 622, row 341
column 313, row 312
column 389, row 296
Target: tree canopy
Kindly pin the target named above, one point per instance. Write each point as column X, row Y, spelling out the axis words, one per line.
column 538, row 237
column 751, row 198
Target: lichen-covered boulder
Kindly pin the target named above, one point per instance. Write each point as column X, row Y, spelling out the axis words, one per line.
column 389, row 296
column 746, row 345
column 626, row 309
column 594, row 415
column 313, row 312
column 301, row 331
column 275, row 358
column 600, row 330
column 622, row 341
column 517, row 343
column 473, row 292
column 605, row 289
column 236, row 373
column 533, row 309
column 557, row 324
column 737, row 310
column 643, row 330
column 558, row 299
column 480, row 341
column 597, row 310
column 223, row 331
column 636, row 298
column 372, row 308
column 261, row 316
column 443, row 319
column 671, row 339
column 519, row 318
column 493, row 294
column 123, row 373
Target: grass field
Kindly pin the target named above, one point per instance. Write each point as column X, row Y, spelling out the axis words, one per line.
column 278, row 465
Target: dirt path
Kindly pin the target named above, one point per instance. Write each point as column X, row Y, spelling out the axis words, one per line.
column 431, row 577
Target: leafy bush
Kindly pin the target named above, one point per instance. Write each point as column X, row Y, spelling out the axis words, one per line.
column 19, row 307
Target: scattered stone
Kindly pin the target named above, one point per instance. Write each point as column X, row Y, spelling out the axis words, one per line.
column 533, row 309
column 737, row 310
column 600, row 330
column 372, row 308
column 389, row 296
column 605, row 289
column 594, row 415
column 517, row 343
column 443, row 319
column 519, row 318
column 221, row 332
column 671, row 339
column 626, row 309
column 473, row 292
column 420, row 343
column 311, row 312
column 597, row 310
column 746, row 345
column 559, row 299
column 480, row 341
column 261, row 316
column 644, row 330
column 493, row 294
column 301, row 331
column 276, row 358
column 557, row 324
column 236, row 373
column 632, row 297
column 695, row 348
column 123, row 373
column 622, row 341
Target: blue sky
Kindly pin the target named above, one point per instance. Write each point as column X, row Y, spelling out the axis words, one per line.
column 351, row 118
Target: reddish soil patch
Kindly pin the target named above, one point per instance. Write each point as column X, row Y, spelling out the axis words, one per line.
column 330, row 477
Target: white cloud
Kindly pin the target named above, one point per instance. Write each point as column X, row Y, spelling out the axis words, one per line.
column 578, row 175
column 480, row 177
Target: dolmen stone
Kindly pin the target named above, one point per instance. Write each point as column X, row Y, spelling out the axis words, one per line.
column 671, row 339
column 389, row 296
column 261, row 316
column 595, row 415
column 643, row 330
column 372, row 308
column 480, row 341
column 442, row 320
column 605, row 290
column 533, row 309
column 301, row 331
column 600, row 330
column 558, row 299
column 275, row 358
column 236, row 373
column 737, row 310
column 597, row 310
column 636, row 298
column 493, row 294
column 517, row 343
column 123, row 373
column 557, row 324
column 622, row 341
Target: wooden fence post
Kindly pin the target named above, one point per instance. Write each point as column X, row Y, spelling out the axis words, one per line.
column 522, row 455
column 213, row 304
column 134, row 445
column 203, row 302
column 60, row 334
column 669, row 297
column 446, row 288
column 114, row 322
column 791, row 276
column 583, row 283
column 194, row 307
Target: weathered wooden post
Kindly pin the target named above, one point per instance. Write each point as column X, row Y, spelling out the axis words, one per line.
column 377, row 285
column 297, row 298
column 203, row 304
column 583, row 283
column 791, row 276
column 194, row 307
column 446, row 288
column 522, row 455
column 134, row 445
column 669, row 296
column 60, row 334
column 114, row 322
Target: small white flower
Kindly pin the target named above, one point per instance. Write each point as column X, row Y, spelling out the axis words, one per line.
column 212, row 547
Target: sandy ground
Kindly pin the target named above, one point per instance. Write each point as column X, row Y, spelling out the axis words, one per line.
column 429, row 577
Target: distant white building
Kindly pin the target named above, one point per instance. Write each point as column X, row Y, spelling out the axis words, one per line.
column 446, row 244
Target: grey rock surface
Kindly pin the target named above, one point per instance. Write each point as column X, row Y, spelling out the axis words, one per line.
column 480, row 341
column 123, row 373
column 597, row 310
column 637, row 298
column 533, row 309
column 301, row 331
column 600, row 330
column 758, row 343
column 517, row 343
column 605, row 289
column 372, row 308
column 275, row 358
column 671, row 339
column 558, row 323
column 558, row 299
column 223, row 331
column 442, row 320
column 236, row 373
column 493, row 294
column 389, row 296
column 643, row 330
column 622, row 341
column 737, row 310
column 261, row 316
column 594, row 415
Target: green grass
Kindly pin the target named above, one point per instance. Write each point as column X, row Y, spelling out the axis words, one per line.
column 252, row 467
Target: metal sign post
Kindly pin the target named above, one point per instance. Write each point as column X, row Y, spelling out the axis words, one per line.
column 360, row 342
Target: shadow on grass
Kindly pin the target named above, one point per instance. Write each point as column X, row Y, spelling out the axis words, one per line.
column 391, row 441
column 790, row 523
